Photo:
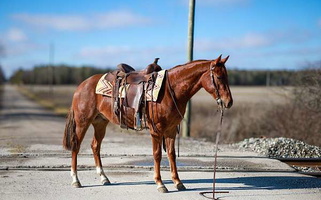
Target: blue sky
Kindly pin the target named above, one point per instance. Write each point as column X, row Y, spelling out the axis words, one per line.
column 257, row 34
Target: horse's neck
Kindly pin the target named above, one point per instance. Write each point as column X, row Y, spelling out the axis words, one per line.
column 186, row 79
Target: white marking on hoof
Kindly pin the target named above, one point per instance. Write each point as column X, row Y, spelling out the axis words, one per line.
column 103, row 178
column 99, row 171
column 75, row 181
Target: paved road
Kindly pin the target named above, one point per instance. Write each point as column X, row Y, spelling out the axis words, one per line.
column 34, row 165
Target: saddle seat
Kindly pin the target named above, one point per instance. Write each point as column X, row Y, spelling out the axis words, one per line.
column 135, row 77
column 135, row 84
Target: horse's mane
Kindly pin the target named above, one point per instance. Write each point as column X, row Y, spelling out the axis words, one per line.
column 188, row 63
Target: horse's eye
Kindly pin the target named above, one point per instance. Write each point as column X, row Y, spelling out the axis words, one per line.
column 219, row 77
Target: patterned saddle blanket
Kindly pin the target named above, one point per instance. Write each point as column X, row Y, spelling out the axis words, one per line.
column 104, row 87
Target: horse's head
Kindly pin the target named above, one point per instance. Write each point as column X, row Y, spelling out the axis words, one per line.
column 215, row 82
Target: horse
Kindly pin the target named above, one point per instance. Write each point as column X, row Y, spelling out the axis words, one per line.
column 163, row 116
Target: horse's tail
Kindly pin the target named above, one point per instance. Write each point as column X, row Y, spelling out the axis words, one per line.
column 70, row 141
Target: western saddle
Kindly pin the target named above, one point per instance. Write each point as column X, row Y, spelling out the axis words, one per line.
column 130, row 110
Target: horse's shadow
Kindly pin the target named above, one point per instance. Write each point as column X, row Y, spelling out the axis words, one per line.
column 263, row 182
column 242, row 183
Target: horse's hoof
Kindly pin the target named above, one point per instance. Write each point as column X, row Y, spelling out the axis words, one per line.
column 105, row 182
column 76, row 184
column 162, row 189
column 180, row 187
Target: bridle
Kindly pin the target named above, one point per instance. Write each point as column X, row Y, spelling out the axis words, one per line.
column 218, row 96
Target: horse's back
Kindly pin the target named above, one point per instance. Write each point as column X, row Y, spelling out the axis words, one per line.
column 91, row 81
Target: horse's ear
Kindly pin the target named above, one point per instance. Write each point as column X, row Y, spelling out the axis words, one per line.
column 217, row 60
column 225, row 59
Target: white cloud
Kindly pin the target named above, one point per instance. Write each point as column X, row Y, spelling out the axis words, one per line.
column 21, row 48
column 104, row 51
column 15, row 35
column 113, row 19
column 136, row 56
column 250, row 40
column 255, row 41
column 15, row 42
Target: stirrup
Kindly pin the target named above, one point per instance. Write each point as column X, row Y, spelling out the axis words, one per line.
column 138, row 122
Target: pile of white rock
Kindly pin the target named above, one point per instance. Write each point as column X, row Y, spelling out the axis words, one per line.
column 280, row 147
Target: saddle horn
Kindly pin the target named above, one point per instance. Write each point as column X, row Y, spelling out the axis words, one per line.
column 156, row 60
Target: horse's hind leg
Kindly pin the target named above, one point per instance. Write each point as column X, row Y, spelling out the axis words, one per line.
column 100, row 129
column 81, row 129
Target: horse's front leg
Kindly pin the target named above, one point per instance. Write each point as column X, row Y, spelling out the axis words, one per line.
column 157, row 153
column 170, row 148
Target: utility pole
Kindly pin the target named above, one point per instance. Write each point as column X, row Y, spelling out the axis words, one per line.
column 268, row 78
column 190, row 46
column 51, row 73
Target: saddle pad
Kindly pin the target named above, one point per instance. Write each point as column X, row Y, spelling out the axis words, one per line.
column 106, row 88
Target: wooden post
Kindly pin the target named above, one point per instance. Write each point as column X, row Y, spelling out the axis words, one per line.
column 190, row 46
column 51, row 68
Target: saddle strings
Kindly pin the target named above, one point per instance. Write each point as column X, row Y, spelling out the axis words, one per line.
column 152, row 118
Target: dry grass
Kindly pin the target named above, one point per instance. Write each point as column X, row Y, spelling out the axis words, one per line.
column 257, row 112
column 242, row 120
column 57, row 98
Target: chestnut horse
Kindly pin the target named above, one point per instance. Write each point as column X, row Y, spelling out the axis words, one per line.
column 180, row 84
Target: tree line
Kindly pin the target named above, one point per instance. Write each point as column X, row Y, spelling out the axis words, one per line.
column 64, row 74
column 55, row 75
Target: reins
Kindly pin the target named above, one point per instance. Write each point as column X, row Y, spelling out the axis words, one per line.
column 215, row 158
column 220, row 106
